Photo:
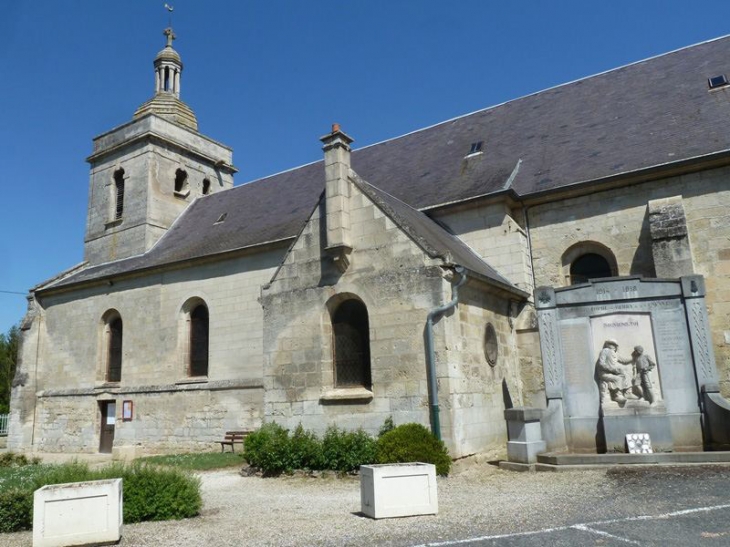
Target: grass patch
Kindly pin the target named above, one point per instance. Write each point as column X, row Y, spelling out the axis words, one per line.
column 19, row 477
column 197, row 462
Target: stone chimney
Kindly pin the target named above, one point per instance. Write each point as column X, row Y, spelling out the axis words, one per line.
column 337, row 195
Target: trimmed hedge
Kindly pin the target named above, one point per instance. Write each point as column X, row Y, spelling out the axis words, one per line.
column 149, row 493
column 269, row 449
column 273, row 451
column 413, row 443
column 346, row 451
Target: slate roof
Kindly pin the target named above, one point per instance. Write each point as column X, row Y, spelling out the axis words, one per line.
column 637, row 117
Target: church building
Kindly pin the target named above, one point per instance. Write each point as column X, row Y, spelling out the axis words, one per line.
column 399, row 279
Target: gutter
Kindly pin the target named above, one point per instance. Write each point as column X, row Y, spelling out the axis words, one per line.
column 431, row 355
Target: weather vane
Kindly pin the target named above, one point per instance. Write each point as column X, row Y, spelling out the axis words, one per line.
column 169, row 8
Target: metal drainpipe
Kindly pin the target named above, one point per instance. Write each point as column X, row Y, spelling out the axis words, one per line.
column 433, row 393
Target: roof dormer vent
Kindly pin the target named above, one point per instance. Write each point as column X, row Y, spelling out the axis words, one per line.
column 476, row 148
column 717, row 81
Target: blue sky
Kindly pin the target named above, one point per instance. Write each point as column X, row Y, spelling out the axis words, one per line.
column 269, row 77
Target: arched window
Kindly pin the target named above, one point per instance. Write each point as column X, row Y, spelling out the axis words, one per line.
column 351, row 333
column 589, row 266
column 118, row 193
column 198, row 363
column 112, row 346
column 588, row 260
column 206, row 187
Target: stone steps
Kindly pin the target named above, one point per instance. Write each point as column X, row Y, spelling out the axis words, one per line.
column 570, row 462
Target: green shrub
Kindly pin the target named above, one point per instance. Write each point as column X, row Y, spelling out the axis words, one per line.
column 16, row 510
column 159, row 494
column 413, row 443
column 305, row 450
column 346, row 451
column 268, row 449
column 149, row 493
column 11, row 459
column 388, row 425
column 272, row 450
column 200, row 461
column 68, row 472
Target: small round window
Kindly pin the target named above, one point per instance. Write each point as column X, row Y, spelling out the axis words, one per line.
column 491, row 346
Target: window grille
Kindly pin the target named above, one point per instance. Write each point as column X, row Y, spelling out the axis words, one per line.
column 199, row 341
column 351, row 332
column 119, row 194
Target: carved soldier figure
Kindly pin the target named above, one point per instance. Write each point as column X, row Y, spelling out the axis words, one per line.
column 613, row 377
column 643, row 365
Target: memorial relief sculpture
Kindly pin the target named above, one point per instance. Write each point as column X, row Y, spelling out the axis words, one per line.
column 613, row 372
column 642, row 384
column 621, row 379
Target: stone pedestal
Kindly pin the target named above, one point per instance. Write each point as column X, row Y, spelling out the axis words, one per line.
column 637, row 417
column 525, row 437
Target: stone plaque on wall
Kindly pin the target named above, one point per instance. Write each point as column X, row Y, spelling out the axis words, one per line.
column 580, row 387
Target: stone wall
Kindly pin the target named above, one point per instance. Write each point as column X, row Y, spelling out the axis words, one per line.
column 397, row 282
column 475, row 392
column 150, row 203
column 166, row 419
column 496, row 233
column 619, row 219
column 64, row 351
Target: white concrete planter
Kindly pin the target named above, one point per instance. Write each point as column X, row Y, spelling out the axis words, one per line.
column 77, row 513
column 398, row 490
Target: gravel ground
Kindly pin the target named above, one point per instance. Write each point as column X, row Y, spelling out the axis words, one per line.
column 482, row 499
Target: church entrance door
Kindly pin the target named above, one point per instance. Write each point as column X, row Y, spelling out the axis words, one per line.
column 108, row 419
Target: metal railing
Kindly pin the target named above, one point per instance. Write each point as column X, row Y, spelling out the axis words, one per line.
column 4, row 420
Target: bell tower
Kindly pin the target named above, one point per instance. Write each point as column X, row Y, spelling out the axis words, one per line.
column 145, row 173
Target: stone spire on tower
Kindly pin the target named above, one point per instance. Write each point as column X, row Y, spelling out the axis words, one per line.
column 166, row 102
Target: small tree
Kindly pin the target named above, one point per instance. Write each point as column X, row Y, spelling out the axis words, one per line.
column 8, row 363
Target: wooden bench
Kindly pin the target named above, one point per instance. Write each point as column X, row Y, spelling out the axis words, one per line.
column 233, row 437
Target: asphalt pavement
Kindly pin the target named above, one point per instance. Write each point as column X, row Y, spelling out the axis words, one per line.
column 654, row 506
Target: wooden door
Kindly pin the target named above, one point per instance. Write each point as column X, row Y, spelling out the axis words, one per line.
column 108, row 419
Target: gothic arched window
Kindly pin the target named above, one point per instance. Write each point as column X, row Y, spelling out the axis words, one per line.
column 351, row 333
column 198, row 358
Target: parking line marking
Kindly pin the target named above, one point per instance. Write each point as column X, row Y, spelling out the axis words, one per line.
column 586, row 526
